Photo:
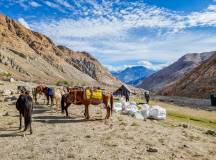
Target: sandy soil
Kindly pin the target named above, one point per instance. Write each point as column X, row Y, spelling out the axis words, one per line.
column 122, row 137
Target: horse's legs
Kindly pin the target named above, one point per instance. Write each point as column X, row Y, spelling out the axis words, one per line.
column 108, row 111
column 66, row 108
column 30, row 126
column 20, row 127
column 35, row 97
column 86, row 114
column 52, row 98
column 57, row 103
column 47, row 100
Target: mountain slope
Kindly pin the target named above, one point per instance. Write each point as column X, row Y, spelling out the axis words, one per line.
column 133, row 73
column 174, row 72
column 199, row 83
column 29, row 55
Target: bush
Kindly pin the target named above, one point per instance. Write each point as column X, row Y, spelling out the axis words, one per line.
column 5, row 74
column 60, row 83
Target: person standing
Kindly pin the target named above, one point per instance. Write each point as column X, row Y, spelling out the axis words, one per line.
column 127, row 96
column 147, row 96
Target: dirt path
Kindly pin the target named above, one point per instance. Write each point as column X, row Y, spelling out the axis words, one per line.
column 57, row 137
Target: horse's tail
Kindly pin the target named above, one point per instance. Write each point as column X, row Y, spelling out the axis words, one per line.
column 111, row 103
column 28, row 112
column 63, row 102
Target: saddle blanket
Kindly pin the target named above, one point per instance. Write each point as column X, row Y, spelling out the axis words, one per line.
column 51, row 91
column 94, row 94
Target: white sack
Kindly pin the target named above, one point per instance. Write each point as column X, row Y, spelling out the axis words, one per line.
column 138, row 115
column 117, row 107
column 157, row 112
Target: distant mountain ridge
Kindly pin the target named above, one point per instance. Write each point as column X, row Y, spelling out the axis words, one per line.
column 132, row 74
column 175, row 71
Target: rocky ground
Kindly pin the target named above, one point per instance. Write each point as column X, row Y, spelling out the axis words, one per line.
column 122, row 137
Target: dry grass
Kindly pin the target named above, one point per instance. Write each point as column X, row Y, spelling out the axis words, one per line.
column 189, row 115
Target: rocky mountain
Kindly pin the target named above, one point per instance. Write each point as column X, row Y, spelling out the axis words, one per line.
column 199, row 83
column 136, row 82
column 175, row 71
column 132, row 74
column 32, row 56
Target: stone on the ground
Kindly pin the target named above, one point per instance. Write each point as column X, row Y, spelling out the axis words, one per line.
column 152, row 149
column 13, row 98
column 6, row 92
column 185, row 126
column 210, row 132
column 12, row 80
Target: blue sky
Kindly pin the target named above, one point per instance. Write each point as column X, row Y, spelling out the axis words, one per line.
column 152, row 33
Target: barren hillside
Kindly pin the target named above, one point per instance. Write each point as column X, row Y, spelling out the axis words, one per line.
column 175, row 71
column 199, row 83
column 29, row 55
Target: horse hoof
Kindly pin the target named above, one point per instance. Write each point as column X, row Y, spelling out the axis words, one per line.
column 31, row 132
column 87, row 118
column 20, row 128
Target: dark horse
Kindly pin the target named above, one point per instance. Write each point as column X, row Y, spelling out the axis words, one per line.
column 24, row 105
column 48, row 92
column 78, row 97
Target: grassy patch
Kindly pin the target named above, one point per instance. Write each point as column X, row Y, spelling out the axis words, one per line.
column 186, row 114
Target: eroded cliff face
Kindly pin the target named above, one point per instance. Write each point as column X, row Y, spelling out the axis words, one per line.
column 33, row 56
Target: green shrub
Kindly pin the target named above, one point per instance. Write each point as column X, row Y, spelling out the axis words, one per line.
column 63, row 82
column 5, row 74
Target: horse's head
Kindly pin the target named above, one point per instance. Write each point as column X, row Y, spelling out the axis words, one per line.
column 75, row 95
column 41, row 89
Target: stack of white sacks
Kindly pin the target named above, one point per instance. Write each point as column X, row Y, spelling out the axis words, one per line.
column 143, row 111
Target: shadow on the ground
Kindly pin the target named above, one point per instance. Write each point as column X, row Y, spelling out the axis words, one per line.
column 38, row 109
column 9, row 129
column 57, row 119
column 11, row 132
column 11, row 135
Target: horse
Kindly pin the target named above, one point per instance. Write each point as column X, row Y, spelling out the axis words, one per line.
column 48, row 92
column 58, row 95
column 78, row 97
column 24, row 105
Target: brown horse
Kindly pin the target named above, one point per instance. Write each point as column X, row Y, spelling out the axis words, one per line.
column 41, row 89
column 78, row 97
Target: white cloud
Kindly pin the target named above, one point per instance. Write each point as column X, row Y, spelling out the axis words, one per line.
column 108, row 33
column 54, row 5
column 65, row 4
column 34, row 4
column 152, row 66
column 117, row 68
column 23, row 22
